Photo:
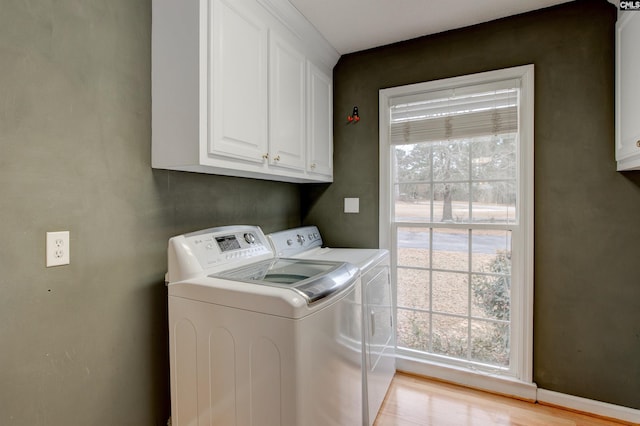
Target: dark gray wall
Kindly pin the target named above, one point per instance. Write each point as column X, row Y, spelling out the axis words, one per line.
column 587, row 280
column 86, row 344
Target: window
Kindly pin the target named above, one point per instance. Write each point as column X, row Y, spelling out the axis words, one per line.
column 456, row 213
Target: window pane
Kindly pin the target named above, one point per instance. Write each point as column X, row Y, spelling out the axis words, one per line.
column 491, row 251
column 413, row 247
column 412, row 202
column 451, row 249
column 494, row 202
column 450, row 336
column 412, row 162
column 491, row 296
column 413, row 288
column 493, row 157
column 490, row 343
column 451, row 160
column 413, row 329
column 451, row 293
column 451, row 202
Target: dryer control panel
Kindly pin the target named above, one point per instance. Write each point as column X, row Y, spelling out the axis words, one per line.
column 290, row 242
column 216, row 249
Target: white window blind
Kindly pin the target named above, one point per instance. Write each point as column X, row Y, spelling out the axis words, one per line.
column 487, row 109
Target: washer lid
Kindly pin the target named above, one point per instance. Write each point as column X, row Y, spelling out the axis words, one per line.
column 313, row 279
column 362, row 258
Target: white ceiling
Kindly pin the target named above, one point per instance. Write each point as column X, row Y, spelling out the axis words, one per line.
column 353, row 25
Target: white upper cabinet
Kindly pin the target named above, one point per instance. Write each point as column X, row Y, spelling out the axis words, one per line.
column 628, row 91
column 238, row 100
column 287, row 82
column 241, row 88
column 320, row 122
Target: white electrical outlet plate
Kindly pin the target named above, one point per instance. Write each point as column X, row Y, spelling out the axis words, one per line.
column 58, row 248
column 352, row 205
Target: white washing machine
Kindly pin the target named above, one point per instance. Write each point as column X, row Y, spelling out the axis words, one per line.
column 258, row 340
column 378, row 330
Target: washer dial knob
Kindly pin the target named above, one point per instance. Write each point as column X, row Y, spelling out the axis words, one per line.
column 250, row 238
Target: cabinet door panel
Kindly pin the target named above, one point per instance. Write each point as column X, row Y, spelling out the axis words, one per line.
column 287, row 105
column 238, row 124
column 320, row 123
column 628, row 90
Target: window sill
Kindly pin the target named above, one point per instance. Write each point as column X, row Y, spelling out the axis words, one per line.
column 473, row 379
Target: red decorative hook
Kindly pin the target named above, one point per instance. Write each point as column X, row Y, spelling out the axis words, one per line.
column 354, row 117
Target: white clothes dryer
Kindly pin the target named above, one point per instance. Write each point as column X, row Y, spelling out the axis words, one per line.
column 259, row 340
column 376, row 298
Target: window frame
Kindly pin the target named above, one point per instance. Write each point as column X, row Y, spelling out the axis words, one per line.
column 522, row 244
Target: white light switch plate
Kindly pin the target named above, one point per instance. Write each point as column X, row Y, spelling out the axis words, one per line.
column 352, row 205
column 58, row 248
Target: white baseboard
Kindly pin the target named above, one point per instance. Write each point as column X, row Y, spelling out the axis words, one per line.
column 590, row 406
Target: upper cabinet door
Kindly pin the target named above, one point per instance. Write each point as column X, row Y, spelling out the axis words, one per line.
column 238, row 99
column 287, row 104
column 628, row 91
column 320, row 122
column 230, row 90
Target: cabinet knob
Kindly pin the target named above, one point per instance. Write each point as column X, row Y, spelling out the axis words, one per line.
column 265, row 156
column 638, row 144
column 313, row 166
column 277, row 158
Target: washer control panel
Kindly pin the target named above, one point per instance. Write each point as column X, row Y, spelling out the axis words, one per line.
column 218, row 248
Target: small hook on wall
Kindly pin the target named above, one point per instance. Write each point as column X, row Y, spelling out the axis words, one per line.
column 354, row 117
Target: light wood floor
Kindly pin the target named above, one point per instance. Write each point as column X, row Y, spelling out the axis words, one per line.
column 413, row 401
